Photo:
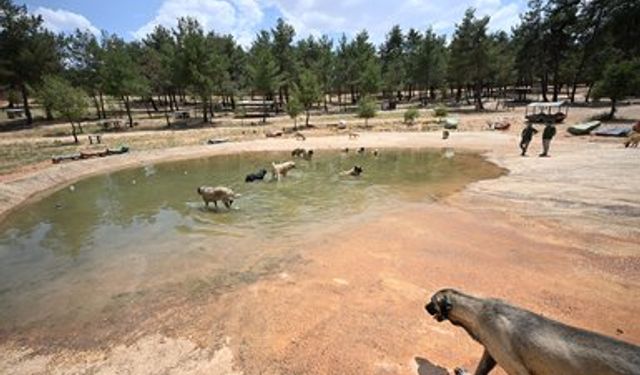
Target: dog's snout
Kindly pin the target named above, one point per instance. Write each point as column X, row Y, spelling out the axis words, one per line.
column 431, row 308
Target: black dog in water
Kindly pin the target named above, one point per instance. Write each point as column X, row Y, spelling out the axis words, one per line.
column 256, row 176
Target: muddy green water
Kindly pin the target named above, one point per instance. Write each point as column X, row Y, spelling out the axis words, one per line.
column 77, row 252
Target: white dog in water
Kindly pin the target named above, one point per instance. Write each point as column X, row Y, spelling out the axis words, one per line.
column 281, row 170
column 218, row 193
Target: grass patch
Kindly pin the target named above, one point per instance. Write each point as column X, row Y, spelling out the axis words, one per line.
column 441, row 111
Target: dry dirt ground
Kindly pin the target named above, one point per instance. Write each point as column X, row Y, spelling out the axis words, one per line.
column 559, row 236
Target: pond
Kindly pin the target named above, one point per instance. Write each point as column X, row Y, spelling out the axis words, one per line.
column 77, row 253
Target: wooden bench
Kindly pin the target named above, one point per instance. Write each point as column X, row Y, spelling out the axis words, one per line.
column 13, row 113
column 106, row 124
column 181, row 115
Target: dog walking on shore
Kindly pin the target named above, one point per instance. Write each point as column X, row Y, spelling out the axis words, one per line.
column 525, row 343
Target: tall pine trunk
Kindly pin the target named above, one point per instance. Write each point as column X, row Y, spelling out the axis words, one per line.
column 25, row 104
column 556, row 88
column 478, row 97
column 264, row 109
column 613, row 108
column 572, row 96
column 175, row 101
column 97, row 105
column 74, row 133
column 48, row 113
column 127, row 106
column 205, row 110
column 146, row 107
column 166, row 113
column 169, row 101
column 104, row 114
column 543, row 87
column 586, row 98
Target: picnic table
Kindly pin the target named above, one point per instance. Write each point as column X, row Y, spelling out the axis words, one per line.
column 14, row 113
column 181, row 115
column 106, row 124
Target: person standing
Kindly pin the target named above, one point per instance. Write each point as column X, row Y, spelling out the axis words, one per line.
column 527, row 134
column 547, row 135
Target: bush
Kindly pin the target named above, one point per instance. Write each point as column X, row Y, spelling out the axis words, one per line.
column 411, row 115
column 441, row 111
column 366, row 109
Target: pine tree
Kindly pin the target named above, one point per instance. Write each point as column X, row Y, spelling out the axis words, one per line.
column 27, row 51
column 68, row 101
column 85, row 56
column 121, row 74
column 294, row 107
column 308, row 92
column 283, row 53
column 470, row 59
column 366, row 109
column 392, row 60
column 412, row 71
column 431, row 62
column 263, row 70
column 619, row 81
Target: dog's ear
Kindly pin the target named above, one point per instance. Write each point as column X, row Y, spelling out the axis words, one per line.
column 445, row 306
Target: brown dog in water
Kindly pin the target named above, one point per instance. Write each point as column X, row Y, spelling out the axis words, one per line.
column 215, row 194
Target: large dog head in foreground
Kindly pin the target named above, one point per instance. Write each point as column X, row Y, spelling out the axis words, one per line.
column 441, row 304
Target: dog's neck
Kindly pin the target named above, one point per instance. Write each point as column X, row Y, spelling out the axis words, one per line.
column 464, row 312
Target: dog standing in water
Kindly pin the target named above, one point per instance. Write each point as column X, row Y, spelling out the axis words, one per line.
column 302, row 153
column 281, row 170
column 354, row 172
column 215, row 194
column 257, row 176
column 298, row 152
column 525, row 343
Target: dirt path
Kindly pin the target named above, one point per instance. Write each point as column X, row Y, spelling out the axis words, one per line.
column 558, row 236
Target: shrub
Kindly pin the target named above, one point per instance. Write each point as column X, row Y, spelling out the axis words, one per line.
column 441, row 111
column 366, row 109
column 410, row 115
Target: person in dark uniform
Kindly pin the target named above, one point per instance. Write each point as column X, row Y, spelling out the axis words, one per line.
column 547, row 135
column 527, row 134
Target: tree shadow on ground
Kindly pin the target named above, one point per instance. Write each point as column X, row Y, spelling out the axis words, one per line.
column 426, row 367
